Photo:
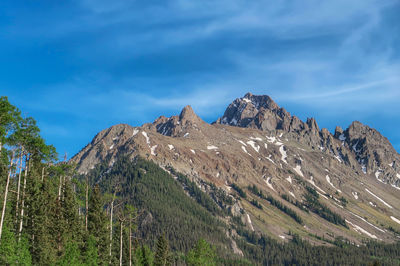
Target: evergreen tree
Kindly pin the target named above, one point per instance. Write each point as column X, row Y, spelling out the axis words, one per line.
column 70, row 216
column 91, row 255
column 71, row 256
column 162, row 256
column 97, row 224
column 144, row 256
column 22, row 252
column 8, row 247
column 41, row 221
column 202, row 254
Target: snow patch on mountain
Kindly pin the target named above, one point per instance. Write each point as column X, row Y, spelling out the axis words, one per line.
column 249, row 222
column 254, row 145
column 147, row 137
column 246, row 100
column 360, row 229
column 328, row 179
column 311, row 181
column 242, row 142
column 283, row 153
column 381, row 200
column 271, row 139
column 269, row 159
column 153, row 150
column 361, row 218
column 212, row 147
column 339, row 158
column 355, row 195
column 364, row 168
column 268, row 181
column 297, row 169
column 171, row 147
column 395, row 219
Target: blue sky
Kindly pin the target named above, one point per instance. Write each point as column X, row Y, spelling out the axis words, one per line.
column 81, row 66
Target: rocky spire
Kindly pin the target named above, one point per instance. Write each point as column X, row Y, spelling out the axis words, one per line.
column 178, row 125
column 187, row 114
column 261, row 112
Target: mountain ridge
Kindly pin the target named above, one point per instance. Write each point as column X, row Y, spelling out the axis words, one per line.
column 275, row 151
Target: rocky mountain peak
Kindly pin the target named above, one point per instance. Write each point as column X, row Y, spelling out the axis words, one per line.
column 312, row 125
column 259, row 101
column 176, row 126
column 260, row 112
column 187, row 114
column 338, row 132
column 373, row 151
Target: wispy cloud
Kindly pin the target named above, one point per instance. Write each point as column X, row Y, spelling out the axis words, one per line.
column 131, row 61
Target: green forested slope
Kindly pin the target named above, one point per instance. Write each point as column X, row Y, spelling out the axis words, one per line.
column 164, row 205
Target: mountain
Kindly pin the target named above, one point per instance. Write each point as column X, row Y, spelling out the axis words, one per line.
column 283, row 176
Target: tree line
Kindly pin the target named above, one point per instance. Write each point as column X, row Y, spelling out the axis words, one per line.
column 50, row 215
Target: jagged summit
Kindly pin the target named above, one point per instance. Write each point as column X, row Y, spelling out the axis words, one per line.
column 187, row 114
column 259, row 101
column 373, row 151
column 261, row 112
column 176, row 126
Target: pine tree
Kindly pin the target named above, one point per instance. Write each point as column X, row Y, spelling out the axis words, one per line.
column 70, row 216
column 22, row 252
column 202, row 254
column 71, row 256
column 9, row 118
column 144, row 256
column 42, row 217
column 162, row 256
column 8, row 247
column 97, row 224
column 91, row 254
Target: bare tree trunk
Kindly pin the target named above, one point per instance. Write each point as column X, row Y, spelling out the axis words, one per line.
column 59, row 188
column 21, row 221
column 130, row 242
column 63, row 187
column 3, row 212
column 87, row 203
column 120, row 248
column 19, row 187
column 42, row 174
column 111, row 224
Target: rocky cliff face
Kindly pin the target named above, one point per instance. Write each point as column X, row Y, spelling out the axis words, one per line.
column 258, row 143
column 261, row 112
column 372, row 151
column 358, row 146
